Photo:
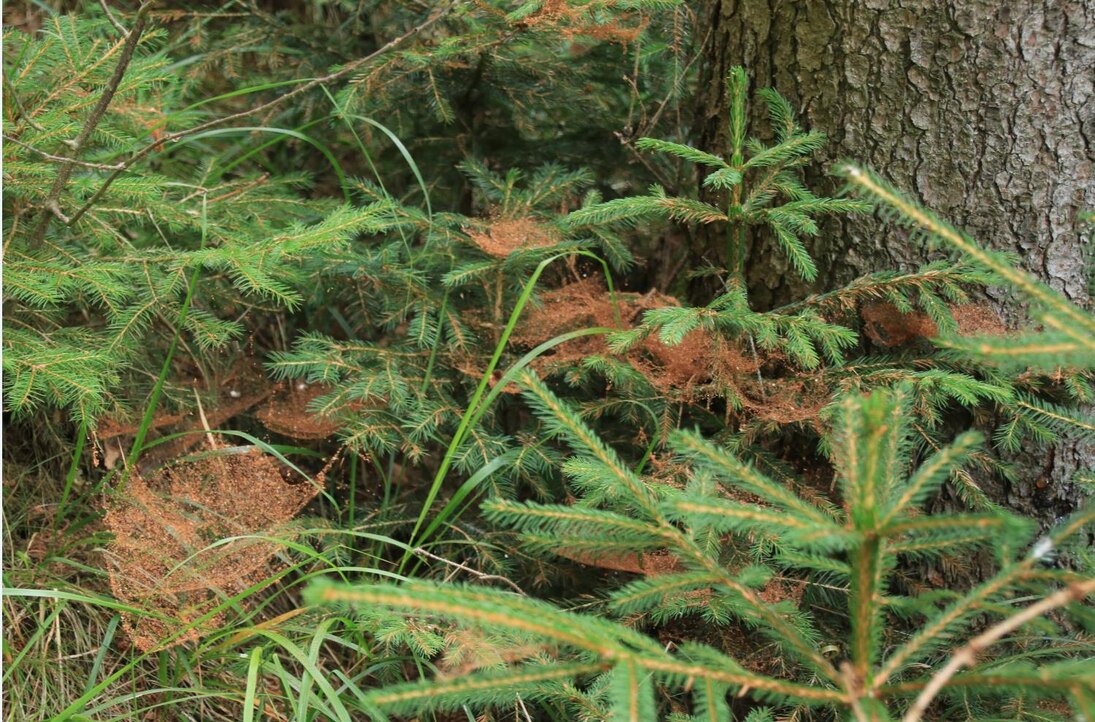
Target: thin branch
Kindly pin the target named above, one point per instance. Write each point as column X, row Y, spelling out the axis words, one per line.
column 1039, row 680
column 76, row 145
column 205, row 423
column 113, row 21
column 21, row 114
column 870, row 286
column 60, row 158
column 628, row 141
column 315, row 82
column 967, row 655
column 483, row 576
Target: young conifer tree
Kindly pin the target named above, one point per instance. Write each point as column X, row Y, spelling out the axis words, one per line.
column 855, row 549
column 877, row 649
column 763, row 192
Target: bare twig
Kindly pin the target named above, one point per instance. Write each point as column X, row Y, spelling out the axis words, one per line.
column 113, row 21
column 523, row 709
column 60, row 158
column 55, row 208
column 474, row 572
column 628, row 142
column 315, row 82
column 967, row 655
column 205, row 422
column 96, row 115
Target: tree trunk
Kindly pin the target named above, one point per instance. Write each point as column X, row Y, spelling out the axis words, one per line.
column 983, row 110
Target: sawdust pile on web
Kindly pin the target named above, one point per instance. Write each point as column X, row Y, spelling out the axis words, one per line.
column 194, row 533
column 701, row 366
column 888, row 326
column 504, row 235
column 289, row 412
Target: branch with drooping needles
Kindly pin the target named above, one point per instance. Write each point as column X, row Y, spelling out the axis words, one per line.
column 314, row 83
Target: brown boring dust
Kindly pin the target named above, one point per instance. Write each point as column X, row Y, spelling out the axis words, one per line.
column 177, row 551
column 503, row 236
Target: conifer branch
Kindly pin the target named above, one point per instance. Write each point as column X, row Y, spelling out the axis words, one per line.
column 299, row 90
column 745, row 682
column 1040, row 680
column 52, row 201
column 744, row 475
column 1061, row 314
column 494, row 609
column 967, row 654
column 453, row 693
column 884, row 285
column 550, row 408
column 931, row 474
column 937, row 626
column 582, row 436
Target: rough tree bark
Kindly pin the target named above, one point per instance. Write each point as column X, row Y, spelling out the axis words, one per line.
column 984, row 110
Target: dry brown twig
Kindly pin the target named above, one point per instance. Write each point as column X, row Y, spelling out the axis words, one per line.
column 60, row 158
column 967, row 655
column 483, row 576
column 113, row 20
